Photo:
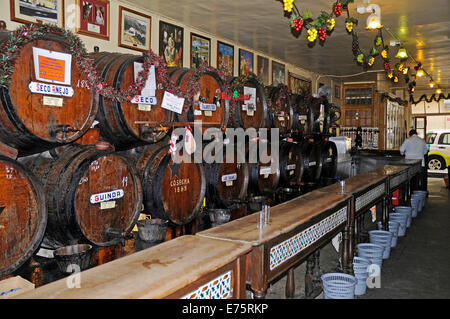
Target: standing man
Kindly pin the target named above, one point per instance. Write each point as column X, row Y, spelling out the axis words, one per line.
column 415, row 148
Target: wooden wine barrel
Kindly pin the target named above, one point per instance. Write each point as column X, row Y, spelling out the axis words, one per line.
column 321, row 115
column 93, row 196
column 312, row 159
column 248, row 115
column 282, row 114
column 23, row 215
column 172, row 191
column 226, row 181
column 291, row 164
column 206, row 108
column 329, row 157
column 35, row 122
column 264, row 179
column 303, row 117
column 119, row 121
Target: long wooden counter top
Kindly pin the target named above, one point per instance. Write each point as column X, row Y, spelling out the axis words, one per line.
column 173, row 269
column 283, row 218
column 355, row 184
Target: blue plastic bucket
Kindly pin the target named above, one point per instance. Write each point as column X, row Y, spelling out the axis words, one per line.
column 373, row 252
column 415, row 201
column 420, row 200
column 338, row 286
column 393, row 228
column 382, row 238
column 423, row 195
column 405, row 210
column 360, row 269
column 401, row 219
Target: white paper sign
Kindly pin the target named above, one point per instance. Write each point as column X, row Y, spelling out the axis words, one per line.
column 290, row 167
column 336, row 241
column 141, row 99
column 172, row 103
column 150, row 85
column 252, row 93
column 51, row 66
column 207, row 107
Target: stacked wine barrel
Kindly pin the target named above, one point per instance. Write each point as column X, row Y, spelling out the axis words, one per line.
column 89, row 164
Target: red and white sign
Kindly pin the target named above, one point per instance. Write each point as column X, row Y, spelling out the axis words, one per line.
column 107, row 196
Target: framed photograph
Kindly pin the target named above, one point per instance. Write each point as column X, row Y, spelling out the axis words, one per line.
column 134, row 29
column 93, row 18
column 200, row 50
column 171, row 44
column 337, row 91
column 263, row 69
column 245, row 62
column 225, row 58
column 277, row 73
column 33, row 12
column 298, row 85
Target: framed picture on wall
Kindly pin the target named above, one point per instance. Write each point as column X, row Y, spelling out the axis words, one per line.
column 225, row 58
column 337, row 91
column 93, row 18
column 200, row 51
column 263, row 69
column 134, row 29
column 171, row 44
column 245, row 61
column 278, row 73
column 298, row 85
column 33, row 12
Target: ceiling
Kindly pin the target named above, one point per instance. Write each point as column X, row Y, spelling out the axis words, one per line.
column 422, row 26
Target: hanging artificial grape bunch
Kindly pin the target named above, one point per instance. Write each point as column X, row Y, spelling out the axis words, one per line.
column 298, row 24
column 322, row 34
column 312, row 34
column 338, row 9
column 288, row 5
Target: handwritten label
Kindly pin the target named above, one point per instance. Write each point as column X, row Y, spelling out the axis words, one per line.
column 302, row 117
column 197, row 112
column 50, row 89
column 107, row 205
column 144, row 107
column 51, row 66
column 107, row 196
column 52, row 101
column 207, row 113
column 172, row 103
column 265, row 170
column 312, row 164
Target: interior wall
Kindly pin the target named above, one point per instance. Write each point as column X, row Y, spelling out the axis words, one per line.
column 111, row 45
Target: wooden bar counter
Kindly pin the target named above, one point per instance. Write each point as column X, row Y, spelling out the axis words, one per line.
column 295, row 230
column 367, row 189
column 185, row 267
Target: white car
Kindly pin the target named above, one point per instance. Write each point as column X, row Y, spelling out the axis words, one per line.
column 438, row 142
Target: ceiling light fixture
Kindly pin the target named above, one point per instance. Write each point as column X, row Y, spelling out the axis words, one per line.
column 402, row 54
column 431, row 84
column 438, row 91
column 420, row 73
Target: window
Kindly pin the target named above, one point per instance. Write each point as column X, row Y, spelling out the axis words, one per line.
column 445, row 139
column 430, row 138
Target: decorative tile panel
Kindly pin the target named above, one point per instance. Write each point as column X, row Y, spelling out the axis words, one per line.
column 218, row 288
column 294, row 245
column 397, row 180
column 365, row 199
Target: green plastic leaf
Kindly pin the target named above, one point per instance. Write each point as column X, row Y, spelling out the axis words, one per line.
column 306, row 14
